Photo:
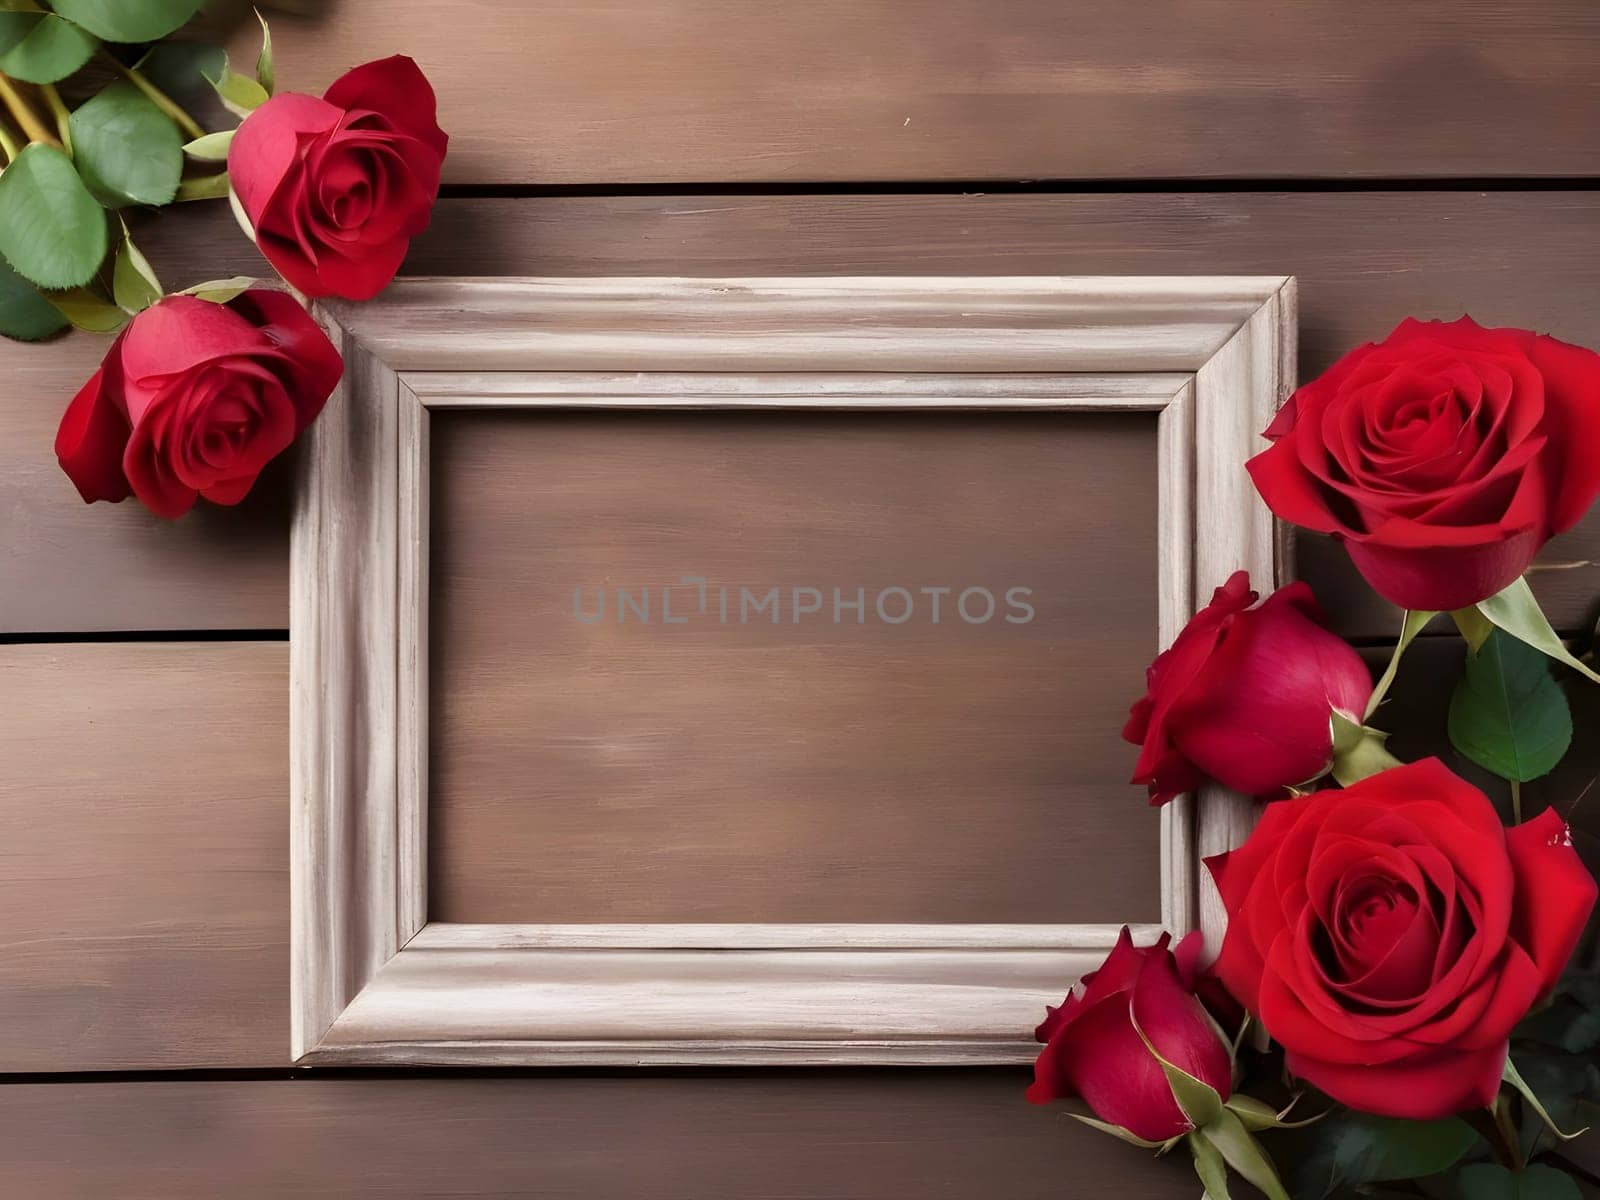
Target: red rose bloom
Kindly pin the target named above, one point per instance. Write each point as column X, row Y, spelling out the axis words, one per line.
column 336, row 188
column 1093, row 1048
column 1246, row 695
column 1443, row 457
column 194, row 399
column 1390, row 935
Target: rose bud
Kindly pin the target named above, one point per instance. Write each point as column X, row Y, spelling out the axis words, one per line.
column 335, row 189
column 1093, row 1046
column 195, row 398
column 1443, row 457
column 1391, row 935
column 1246, row 696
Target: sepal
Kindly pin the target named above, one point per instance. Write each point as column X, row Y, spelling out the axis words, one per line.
column 1244, row 1154
column 1514, row 1077
column 1133, row 1139
column 1517, row 612
column 1359, row 751
column 1256, row 1115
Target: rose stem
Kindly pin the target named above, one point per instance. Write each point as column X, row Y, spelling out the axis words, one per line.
column 157, row 97
column 1516, row 802
column 24, row 114
column 58, row 110
column 1510, row 1147
column 8, row 144
column 1407, row 636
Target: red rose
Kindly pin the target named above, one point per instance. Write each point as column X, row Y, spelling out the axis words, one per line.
column 194, row 398
column 1246, row 695
column 1443, row 457
column 1093, row 1046
column 336, row 188
column 1390, row 935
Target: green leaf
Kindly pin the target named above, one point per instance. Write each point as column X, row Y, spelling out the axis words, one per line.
column 41, row 47
column 1244, row 1154
column 211, row 148
column 1209, row 1165
column 1517, row 612
column 1508, row 713
column 266, row 76
column 133, row 280
column 220, row 291
column 128, row 20
column 51, row 230
column 1491, row 1181
column 15, row 26
column 1352, row 1149
column 184, row 69
column 127, row 150
column 239, row 94
column 25, row 315
column 88, row 310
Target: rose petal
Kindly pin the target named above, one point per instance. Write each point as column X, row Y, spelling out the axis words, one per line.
column 1555, row 892
column 307, row 361
column 397, row 88
column 1425, row 1088
column 90, row 440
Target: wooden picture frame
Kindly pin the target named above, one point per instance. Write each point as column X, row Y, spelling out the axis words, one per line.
column 373, row 982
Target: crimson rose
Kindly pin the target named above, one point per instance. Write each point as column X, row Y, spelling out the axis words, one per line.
column 336, row 188
column 1093, row 1046
column 194, row 398
column 1443, row 457
column 1390, row 935
column 1245, row 695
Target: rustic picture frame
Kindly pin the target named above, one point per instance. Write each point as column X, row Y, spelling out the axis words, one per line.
column 373, row 982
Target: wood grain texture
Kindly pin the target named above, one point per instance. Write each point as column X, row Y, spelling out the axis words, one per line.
column 144, row 868
column 805, row 770
column 347, row 915
column 352, row 590
column 1364, row 260
column 1254, row 372
column 683, row 91
column 908, row 1135
column 523, row 1005
column 67, row 567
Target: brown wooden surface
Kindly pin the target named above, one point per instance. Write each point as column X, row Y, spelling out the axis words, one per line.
column 144, row 864
column 904, row 1135
column 683, row 91
column 142, row 800
column 1365, row 261
column 808, row 770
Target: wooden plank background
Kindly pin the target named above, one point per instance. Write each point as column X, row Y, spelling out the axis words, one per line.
column 689, row 91
column 806, row 770
column 1420, row 159
column 1365, row 260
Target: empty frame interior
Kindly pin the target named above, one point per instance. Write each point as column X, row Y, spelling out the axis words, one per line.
column 591, row 762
